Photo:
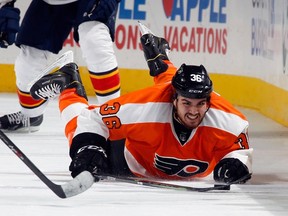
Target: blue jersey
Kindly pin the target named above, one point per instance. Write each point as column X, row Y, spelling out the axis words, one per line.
column 47, row 26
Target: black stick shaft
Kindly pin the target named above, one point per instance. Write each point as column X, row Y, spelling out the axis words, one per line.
column 55, row 188
column 74, row 187
column 157, row 184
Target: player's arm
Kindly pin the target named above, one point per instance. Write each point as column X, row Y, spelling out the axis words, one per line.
column 237, row 164
column 88, row 153
column 9, row 23
column 89, row 143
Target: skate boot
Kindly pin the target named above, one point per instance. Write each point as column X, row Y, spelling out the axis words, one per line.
column 155, row 50
column 52, row 85
column 17, row 122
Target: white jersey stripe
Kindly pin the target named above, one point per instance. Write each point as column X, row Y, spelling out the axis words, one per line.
column 144, row 113
column 223, row 121
column 72, row 111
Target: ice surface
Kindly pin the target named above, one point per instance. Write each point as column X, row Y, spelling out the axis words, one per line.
column 23, row 194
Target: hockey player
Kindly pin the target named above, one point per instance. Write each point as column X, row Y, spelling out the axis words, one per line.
column 177, row 129
column 44, row 28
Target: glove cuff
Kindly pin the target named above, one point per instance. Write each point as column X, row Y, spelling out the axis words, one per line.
column 87, row 139
column 93, row 148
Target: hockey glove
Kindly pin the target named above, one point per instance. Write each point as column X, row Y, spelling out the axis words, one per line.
column 155, row 51
column 9, row 24
column 91, row 158
column 229, row 170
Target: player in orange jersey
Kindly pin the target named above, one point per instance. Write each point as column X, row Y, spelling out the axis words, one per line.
column 177, row 129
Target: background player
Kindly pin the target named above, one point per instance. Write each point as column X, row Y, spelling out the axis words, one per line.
column 45, row 26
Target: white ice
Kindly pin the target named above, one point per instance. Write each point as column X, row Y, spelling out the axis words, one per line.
column 23, row 194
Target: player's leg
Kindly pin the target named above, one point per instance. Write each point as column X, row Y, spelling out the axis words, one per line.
column 71, row 102
column 43, row 30
column 28, row 64
column 98, row 53
column 51, row 85
column 96, row 33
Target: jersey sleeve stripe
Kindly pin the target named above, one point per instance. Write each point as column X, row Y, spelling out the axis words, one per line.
column 145, row 113
column 72, row 111
column 229, row 122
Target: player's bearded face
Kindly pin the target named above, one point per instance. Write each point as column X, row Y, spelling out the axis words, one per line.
column 190, row 112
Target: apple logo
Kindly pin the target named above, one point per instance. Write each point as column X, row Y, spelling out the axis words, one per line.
column 168, row 7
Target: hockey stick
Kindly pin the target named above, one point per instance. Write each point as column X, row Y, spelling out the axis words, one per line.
column 64, row 59
column 157, row 184
column 74, row 187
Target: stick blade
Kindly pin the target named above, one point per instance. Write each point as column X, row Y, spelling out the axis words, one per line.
column 78, row 185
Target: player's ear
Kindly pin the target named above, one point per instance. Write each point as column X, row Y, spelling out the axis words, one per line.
column 174, row 99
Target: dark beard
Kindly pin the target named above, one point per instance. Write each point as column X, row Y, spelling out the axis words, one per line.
column 183, row 133
column 178, row 119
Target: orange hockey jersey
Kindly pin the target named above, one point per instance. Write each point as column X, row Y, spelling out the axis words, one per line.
column 152, row 148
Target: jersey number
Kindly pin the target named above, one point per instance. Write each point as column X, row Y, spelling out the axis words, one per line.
column 196, row 78
column 242, row 141
column 109, row 115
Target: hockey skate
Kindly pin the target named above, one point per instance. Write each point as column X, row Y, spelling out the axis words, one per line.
column 51, row 85
column 17, row 122
column 156, row 50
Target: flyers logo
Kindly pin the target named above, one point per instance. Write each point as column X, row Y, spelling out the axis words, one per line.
column 168, row 7
column 179, row 167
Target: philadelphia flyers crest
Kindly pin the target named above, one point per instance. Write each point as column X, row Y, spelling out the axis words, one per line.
column 180, row 167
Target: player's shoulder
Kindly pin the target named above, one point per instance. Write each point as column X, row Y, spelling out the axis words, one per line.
column 155, row 93
column 220, row 103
